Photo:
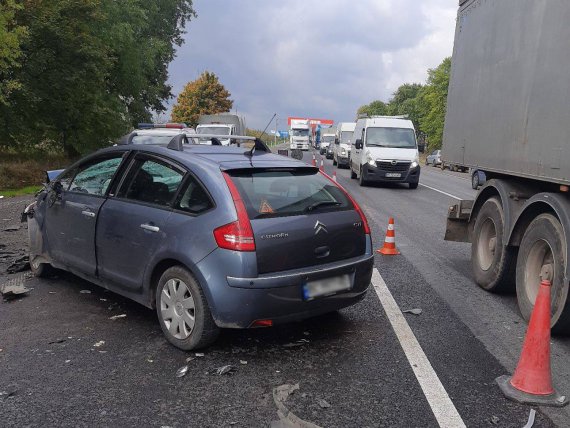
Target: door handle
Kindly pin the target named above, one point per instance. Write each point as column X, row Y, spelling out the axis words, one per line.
column 88, row 213
column 150, row 227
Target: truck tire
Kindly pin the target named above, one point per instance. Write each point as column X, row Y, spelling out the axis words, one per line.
column 361, row 180
column 334, row 161
column 475, row 180
column 493, row 264
column 542, row 250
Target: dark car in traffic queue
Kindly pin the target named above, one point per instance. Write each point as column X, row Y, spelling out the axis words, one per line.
column 211, row 237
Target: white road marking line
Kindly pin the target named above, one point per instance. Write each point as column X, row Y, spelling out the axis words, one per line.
column 436, row 395
column 441, row 191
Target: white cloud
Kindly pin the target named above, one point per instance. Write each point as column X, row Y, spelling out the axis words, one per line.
column 313, row 58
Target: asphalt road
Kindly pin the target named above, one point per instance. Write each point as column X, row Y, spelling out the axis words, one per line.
column 69, row 364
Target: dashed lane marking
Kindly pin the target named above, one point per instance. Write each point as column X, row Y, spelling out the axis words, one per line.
column 441, row 405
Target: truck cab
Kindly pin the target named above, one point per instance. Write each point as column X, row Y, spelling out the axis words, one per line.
column 384, row 149
column 217, row 129
column 299, row 135
column 342, row 144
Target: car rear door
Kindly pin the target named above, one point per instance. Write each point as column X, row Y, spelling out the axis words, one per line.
column 72, row 217
column 132, row 224
column 299, row 218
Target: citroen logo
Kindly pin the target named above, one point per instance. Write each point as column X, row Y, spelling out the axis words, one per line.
column 394, row 162
column 320, row 227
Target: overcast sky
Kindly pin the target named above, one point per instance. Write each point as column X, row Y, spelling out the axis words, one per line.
column 313, row 58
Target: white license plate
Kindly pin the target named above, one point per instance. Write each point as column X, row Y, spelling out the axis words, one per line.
column 326, row 287
column 393, row 174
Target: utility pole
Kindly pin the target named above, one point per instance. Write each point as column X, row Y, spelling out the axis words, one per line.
column 276, row 126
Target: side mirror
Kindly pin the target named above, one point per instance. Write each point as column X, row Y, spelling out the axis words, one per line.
column 358, row 144
column 336, row 141
column 57, row 187
column 421, row 148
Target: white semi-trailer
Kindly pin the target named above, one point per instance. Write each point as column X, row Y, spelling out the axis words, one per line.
column 508, row 119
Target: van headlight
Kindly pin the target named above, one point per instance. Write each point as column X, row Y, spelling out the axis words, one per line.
column 415, row 162
column 369, row 160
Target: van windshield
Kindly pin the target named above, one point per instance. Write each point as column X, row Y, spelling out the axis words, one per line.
column 328, row 138
column 346, row 136
column 397, row 138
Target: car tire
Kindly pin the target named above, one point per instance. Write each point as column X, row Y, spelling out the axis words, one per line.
column 353, row 174
column 361, row 180
column 544, row 244
column 413, row 185
column 334, row 161
column 178, row 298
column 442, row 166
column 492, row 262
column 41, row 270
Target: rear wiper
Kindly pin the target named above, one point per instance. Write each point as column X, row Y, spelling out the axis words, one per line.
column 322, row 204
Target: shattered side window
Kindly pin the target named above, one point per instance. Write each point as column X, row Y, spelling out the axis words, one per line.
column 95, row 177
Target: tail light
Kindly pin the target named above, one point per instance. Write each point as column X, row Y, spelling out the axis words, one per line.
column 238, row 235
column 354, row 203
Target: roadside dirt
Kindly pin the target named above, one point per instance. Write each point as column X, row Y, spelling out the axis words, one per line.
column 13, row 234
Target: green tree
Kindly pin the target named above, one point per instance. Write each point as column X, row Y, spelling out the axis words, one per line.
column 432, row 100
column 90, row 70
column 11, row 37
column 205, row 95
column 375, row 108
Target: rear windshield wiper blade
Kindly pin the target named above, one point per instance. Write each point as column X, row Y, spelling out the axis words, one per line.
column 322, row 204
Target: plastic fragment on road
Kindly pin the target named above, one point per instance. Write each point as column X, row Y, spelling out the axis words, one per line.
column 531, row 417
column 116, row 317
column 9, row 392
column 11, row 229
column 99, row 344
column 57, row 341
column 14, row 287
column 286, row 417
column 495, row 420
column 21, row 264
column 199, row 354
column 85, row 291
column 223, row 370
column 323, row 403
column 243, row 362
column 181, row 372
column 415, row 311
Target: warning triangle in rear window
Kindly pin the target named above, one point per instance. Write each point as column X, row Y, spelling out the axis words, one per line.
column 265, row 208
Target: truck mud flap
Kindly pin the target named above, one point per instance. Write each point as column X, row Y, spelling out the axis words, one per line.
column 457, row 227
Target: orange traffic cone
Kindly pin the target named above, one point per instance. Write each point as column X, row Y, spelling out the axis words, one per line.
column 314, row 160
column 322, row 166
column 389, row 248
column 532, row 381
column 334, row 175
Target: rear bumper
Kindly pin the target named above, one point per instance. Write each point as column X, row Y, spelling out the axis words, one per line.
column 343, row 160
column 238, row 302
column 372, row 174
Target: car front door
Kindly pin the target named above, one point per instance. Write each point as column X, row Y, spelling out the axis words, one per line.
column 132, row 224
column 71, row 218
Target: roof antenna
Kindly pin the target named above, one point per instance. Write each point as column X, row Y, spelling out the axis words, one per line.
column 263, row 133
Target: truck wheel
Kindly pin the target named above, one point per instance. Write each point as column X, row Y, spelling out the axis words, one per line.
column 334, row 161
column 183, row 312
column 353, row 174
column 475, row 180
column 442, row 166
column 493, row 264
column 543, row 253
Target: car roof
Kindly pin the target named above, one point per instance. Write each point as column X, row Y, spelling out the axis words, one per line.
column 222, row 156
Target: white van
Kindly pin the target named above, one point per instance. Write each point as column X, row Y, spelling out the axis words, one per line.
column 384, row 149
column 341, row 150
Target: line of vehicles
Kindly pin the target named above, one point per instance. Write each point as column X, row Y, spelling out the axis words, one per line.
column 375, row 149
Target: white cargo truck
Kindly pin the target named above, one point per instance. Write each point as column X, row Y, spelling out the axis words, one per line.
column 299, row 134
column 221, row 124
column 508, row 118
column 343, row 140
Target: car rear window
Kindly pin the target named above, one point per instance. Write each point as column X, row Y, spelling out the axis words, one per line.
column 280, row 192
